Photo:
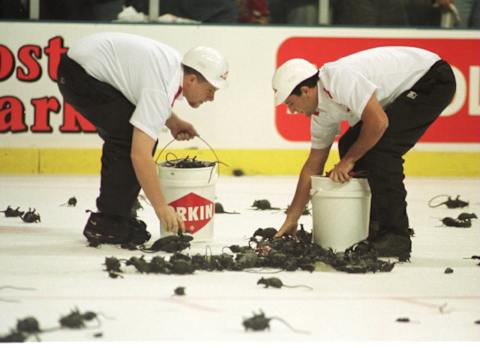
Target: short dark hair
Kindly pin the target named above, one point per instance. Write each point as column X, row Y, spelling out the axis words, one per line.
column 191, row 71
column 310, row 82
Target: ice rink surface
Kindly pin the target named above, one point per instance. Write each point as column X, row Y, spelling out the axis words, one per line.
column 52, row 258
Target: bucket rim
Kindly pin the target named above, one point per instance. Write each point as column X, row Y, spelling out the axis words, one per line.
column 322, row 177
column 214, row 172
column 199, row 137
column 324, row 183
column 163, row 167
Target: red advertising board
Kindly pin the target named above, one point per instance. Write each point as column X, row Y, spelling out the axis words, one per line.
column 462, row 126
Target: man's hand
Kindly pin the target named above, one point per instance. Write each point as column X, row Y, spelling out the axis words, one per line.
column 185, row 131
column 340, row 173
column 170, row 220
column 180, row 129
column 288, row 227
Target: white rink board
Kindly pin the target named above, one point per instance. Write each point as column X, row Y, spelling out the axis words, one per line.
column 242, row 117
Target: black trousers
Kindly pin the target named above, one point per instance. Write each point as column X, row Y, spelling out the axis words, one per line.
column 110, row 112
column 409, row 117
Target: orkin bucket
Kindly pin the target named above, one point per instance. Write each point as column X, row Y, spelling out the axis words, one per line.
column 341, row 212
column 191, row 192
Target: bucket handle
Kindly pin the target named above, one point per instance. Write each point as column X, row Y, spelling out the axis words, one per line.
column 171, row 141
column 211, row 149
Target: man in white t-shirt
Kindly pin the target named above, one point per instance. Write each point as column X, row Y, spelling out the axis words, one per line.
column 126, row 85
column 389, row 96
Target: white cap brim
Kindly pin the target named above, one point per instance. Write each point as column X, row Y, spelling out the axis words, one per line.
column 218, row 83
column 280, row 98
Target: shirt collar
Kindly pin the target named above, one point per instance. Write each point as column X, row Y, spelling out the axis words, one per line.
column 324, row 98
column 179, row 93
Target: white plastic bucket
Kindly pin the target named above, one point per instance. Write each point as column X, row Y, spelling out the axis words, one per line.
column 341, row 212
column 191, row 192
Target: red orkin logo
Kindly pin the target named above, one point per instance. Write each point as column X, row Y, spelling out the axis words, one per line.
column 195, row 210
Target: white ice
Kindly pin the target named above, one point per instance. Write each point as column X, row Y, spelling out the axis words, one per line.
column 52, row 258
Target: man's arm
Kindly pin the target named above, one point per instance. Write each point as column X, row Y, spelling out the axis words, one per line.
column 374, row 124
column 144, row 166
column 313, row 166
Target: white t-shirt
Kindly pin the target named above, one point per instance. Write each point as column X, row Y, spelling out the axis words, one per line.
column 346, row 85
column 147, row 72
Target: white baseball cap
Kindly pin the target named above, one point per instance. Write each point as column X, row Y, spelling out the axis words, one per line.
column 289, row 75
column 208, row 62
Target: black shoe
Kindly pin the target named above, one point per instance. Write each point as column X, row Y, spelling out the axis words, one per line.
column 362, row 248
column 101, row 228
column 393, row 245
column 138, row 232
column 108, row 229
